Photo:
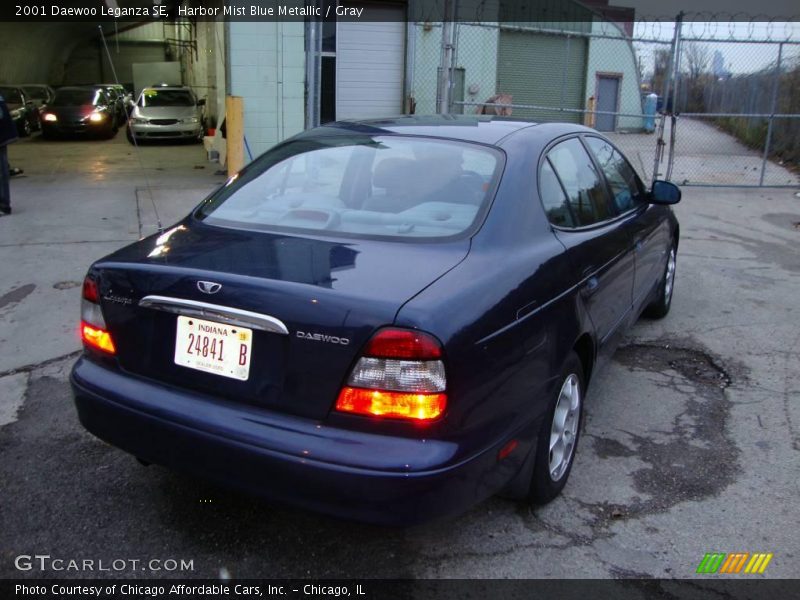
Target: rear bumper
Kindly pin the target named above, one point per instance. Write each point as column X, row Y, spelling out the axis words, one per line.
column 348, row 474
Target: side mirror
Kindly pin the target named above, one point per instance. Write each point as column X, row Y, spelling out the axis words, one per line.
column 665, row 192
column 201, row 102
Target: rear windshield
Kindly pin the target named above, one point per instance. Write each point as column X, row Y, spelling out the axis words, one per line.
column 11, row 95
column 74, row 97
column 167, row 98
column 383, row 186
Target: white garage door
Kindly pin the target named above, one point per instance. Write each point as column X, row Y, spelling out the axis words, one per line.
column 370, row 59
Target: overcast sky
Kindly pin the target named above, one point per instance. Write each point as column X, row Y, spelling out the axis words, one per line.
column 739, row 57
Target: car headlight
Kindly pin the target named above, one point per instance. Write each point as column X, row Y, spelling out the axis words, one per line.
column 50, row 117
column 138, row 121
column 96, row 117
column 190, row 120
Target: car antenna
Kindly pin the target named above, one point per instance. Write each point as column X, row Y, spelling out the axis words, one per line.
column 135, row 143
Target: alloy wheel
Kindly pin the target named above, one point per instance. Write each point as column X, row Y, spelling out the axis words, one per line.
column 564, row 429
column 669, row 277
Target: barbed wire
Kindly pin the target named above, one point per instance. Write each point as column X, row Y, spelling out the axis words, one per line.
column 547, row 14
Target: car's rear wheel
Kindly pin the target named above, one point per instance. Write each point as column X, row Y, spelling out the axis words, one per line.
column 659, row 307
column 558, row 435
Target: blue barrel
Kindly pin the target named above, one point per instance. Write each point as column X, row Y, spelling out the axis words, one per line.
column 650, row 103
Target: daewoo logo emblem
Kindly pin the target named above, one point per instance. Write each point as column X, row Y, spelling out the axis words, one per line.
column 209, row 287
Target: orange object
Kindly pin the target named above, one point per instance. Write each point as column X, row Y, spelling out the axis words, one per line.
column 381, row 403
column 97, row 338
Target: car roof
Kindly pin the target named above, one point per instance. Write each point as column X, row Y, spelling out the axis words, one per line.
column 485, row 129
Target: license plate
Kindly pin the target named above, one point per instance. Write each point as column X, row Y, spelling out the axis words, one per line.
column 213, row 347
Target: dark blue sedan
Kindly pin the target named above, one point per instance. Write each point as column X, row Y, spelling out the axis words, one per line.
column 387, row 321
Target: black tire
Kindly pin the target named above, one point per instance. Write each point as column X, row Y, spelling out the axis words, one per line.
column 545, row 483
column 659, row 308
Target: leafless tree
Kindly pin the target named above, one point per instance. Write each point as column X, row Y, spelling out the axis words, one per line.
column 697, row 59
column 661, row 59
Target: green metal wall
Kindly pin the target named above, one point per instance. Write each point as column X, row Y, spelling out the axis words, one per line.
column 531, row 67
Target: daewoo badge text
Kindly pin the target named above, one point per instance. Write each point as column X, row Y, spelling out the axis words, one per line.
column 320, row 337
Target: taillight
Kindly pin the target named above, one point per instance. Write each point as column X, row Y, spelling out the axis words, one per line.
column 90, row 291
column 399, row 375
column 93, row 325
column 99, row 338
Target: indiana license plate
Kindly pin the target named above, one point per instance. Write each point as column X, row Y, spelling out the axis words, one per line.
column 213, row 347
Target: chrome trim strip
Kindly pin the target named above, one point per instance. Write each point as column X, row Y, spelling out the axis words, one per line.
column 225, row 314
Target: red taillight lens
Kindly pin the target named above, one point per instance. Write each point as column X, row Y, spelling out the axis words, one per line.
column 90, row 291
column 399, row 375
column 381, row 403
column 403, row 343
column 97, row 338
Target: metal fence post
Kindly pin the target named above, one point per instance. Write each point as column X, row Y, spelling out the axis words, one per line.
column 676, row 78
column 443, row 91
column 313, row 68
column 665, row 95
column 773, row 105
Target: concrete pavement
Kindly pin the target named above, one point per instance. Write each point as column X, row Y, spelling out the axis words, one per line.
column 691, row 441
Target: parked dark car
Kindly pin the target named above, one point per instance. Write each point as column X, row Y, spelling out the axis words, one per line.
column 39, row 93
column 80, row 111
column 118, row 97
column 23, row 110
column 385, row 320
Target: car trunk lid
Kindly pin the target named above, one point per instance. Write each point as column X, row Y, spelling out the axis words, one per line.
column 329, row 295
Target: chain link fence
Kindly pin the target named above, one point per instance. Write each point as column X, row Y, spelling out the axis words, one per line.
column 736, row 94
column 699, row 102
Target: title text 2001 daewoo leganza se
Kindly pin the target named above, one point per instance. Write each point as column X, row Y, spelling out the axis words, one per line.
column 386, row 321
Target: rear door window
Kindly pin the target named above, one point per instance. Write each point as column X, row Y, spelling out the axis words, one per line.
column 585, row 189
column 553, row 198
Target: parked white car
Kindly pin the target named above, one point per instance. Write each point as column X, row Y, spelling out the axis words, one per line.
column 166, row 112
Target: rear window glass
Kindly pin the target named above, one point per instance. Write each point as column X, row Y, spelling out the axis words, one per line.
column 385, row 186
column 167, row 98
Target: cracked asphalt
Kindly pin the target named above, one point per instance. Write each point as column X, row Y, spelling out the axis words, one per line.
column 691, row 441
